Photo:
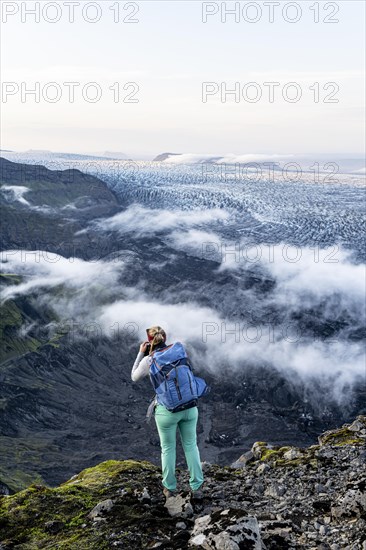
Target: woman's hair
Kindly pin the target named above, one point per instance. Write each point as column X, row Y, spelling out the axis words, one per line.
column 158, row 335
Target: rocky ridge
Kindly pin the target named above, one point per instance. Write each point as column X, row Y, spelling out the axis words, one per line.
column 270, row 498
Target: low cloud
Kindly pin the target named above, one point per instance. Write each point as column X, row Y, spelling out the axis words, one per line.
column 47, row 269
column 228, row 158
column 220, row 346
column 196, row 242
column 305, row 276
column 181, row 321
column 93, row 292
column 146, row 221
column 15, row 193
column 319, row 271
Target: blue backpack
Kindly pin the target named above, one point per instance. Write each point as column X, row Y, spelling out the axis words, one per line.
column 175, row 385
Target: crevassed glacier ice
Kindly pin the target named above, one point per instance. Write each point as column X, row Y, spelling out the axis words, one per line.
column 264, row 206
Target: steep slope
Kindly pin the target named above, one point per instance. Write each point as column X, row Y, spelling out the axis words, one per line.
column 55, row 188
column 53, row 206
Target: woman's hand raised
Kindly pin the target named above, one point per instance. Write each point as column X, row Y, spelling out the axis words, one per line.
column 143, row 347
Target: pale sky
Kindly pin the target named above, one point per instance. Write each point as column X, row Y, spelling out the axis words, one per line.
column 169, row 53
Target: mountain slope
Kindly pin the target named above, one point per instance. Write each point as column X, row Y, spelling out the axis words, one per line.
column 55, row 188
column 58, row 203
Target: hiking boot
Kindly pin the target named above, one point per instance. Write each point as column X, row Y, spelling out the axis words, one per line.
column 167, row 493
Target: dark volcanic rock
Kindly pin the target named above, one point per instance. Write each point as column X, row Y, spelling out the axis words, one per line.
column 230, row 528
column 4, row 489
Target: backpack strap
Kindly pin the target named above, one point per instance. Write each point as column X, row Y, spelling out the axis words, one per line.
column 177, row 363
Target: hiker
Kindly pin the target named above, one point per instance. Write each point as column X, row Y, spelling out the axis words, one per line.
column 167, row 421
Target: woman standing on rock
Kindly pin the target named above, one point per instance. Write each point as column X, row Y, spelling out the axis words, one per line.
column 167, row 422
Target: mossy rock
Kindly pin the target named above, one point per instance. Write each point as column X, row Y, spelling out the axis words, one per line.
column 297, row 462
column 345, row 435
column 269, row 454
column 285, row 449
column 97, row 477
column 25, row 516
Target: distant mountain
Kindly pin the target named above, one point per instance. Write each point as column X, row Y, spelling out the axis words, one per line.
column 165, row 156
column 71, row 156
column 38, row 151
column 44, row 155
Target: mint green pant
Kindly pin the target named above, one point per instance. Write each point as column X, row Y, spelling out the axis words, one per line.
column 167, row 423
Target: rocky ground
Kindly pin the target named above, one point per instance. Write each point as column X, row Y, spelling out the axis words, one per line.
column 270, row 498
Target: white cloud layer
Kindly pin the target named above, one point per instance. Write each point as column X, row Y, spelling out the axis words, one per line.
column 146, row 221
column 46, row 269
column 218, row 344
column 228, row 158
column 221, row 346
column 15, row 193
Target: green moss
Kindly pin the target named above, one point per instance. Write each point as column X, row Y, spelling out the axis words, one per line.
column 11, row 344
column 343, row 436
column 296, row 462
column 54, row 345
column 10, row 316
column 267, row 454
column 350, row 441
column 97, row 476
column 33, row 507
column 23, row 516
column 60, row 333
column 77, row 520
